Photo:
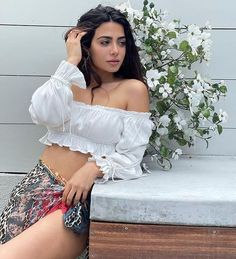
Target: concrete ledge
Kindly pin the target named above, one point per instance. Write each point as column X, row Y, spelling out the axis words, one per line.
column 197, row 191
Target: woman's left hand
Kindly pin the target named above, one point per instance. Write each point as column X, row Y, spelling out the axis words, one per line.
column 77, row 188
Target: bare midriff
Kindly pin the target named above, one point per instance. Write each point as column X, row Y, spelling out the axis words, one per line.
column 63, row 161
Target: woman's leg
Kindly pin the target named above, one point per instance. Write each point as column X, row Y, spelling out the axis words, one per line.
column 46, row 239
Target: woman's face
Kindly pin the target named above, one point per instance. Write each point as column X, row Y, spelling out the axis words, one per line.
column 108, row 47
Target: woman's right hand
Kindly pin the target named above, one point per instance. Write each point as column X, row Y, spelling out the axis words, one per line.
column 73, row 46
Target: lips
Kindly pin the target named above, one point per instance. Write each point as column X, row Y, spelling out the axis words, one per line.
column 113, row 62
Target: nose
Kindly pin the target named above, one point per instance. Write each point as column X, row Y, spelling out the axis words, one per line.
column 114, row 49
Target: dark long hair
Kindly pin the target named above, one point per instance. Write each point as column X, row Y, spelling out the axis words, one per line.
column 131, row 67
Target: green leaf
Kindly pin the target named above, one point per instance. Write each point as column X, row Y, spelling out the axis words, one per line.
column 200, row 131
column 223, row 89
column 215, row 118
column 184, row 101
column 164, row 151
column 182, row 142
column 219, row 129
column 161, row 107
column 149, row 49
column 173, row 70
column 184, row 46
column 145, row 13
column 206, row 113
column 171, row 79
column 162, row 80
column 151, row 5
column 201, row 105
column 171, row 35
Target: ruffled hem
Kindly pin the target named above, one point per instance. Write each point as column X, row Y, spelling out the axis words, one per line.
column 105, row 166
column 76, row 143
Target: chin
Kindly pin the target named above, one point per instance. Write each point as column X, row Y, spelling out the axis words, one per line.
column 113, row 69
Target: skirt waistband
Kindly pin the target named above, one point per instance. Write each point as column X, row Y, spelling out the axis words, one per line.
column 53, row 172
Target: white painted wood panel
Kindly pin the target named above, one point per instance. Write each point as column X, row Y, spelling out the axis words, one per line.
column 15, row 97
column 45, row 12
column 20, row 149
column 219, row 13
column 37, row 51
column 17, row 92
column 33, row 50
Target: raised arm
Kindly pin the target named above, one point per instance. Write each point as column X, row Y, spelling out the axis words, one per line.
column 51, row 103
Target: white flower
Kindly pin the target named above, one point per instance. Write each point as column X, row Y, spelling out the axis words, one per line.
column 195, row 99
column 208, row 25
column 162, row 131
column 158, row 141
column 205, row 35
column 171, row 26
column 164, row 120
column 154, row 36
column 171, row 42
column 145, row 58
column 186, row 91
column 153, row 73
column 222, row 82
column 149, row 21
column 194, row 29
column 152, row 84
column 155, row 25
column 165, row 90
column 179, row 122
column 189, row 132
column 163, row 54
column 152, row 13
column 213, row 127
column 197, row 86
column 122, row 7
column 194, row 42
column 177, row 153
column 223, row 116
column 138, row 42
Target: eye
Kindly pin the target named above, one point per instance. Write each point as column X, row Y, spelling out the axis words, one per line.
column 104, row 42
column 122, row 43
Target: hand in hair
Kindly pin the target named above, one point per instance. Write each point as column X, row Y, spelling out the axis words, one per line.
column 73, row 46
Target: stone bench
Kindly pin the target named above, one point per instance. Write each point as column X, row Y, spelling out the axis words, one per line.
column 188, row 212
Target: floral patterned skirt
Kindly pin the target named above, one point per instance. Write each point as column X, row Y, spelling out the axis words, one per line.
column 38, row 194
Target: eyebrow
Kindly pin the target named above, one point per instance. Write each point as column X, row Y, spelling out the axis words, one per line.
column 108, row 37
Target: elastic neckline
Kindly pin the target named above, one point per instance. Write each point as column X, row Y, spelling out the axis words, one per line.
column 99, row 106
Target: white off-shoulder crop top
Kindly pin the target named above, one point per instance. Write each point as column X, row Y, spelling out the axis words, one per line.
column 115, row 138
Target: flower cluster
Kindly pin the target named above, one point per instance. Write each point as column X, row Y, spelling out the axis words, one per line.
column 182, row 101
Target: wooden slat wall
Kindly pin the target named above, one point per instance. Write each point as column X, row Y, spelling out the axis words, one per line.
column 31, row 40
column 117, row 240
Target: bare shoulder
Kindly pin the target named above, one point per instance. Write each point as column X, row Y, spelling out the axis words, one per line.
column 137, row 95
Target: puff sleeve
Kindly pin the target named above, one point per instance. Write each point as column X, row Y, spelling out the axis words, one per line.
column 124, row 163
column 51, row 103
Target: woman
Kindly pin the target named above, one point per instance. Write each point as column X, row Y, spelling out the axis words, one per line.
column 97, row 131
